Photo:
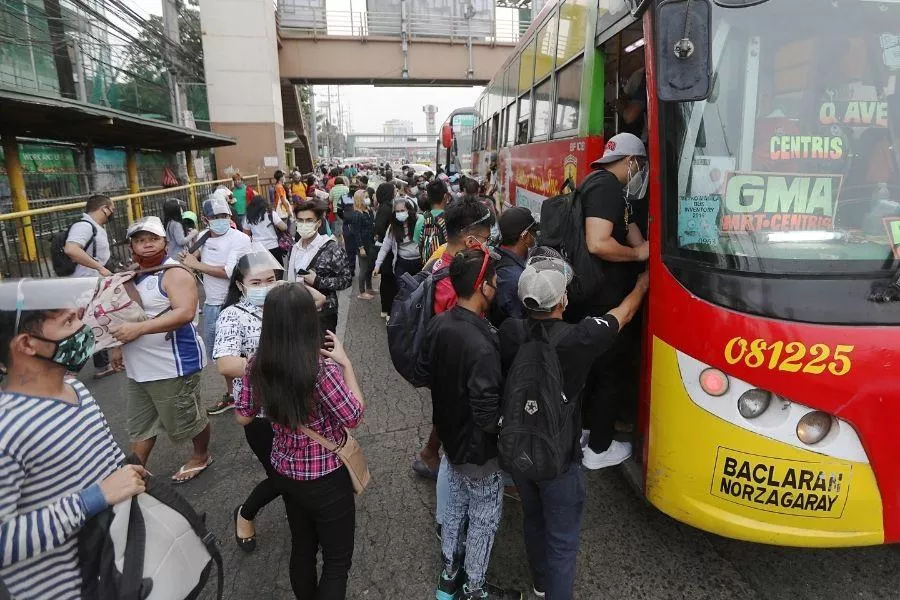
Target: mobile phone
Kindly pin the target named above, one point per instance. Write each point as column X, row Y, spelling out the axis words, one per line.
column 302, row 272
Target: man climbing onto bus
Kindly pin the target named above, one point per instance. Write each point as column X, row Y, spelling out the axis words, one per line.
column 518, row 235
column 612, row 236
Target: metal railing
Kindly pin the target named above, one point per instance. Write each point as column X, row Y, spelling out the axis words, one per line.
column 318, row 22
column 26, row 236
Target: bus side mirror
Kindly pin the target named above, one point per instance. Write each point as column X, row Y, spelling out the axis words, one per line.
column 683, row 50
column 446, row 135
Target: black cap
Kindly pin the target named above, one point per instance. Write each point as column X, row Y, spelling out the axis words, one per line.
column 514, row 221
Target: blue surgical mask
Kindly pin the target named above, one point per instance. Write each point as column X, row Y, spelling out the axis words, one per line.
column 220, row 226
column 257, row 295
column 402, row 216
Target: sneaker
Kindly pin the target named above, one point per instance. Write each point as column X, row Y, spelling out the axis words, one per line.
column 449, row 589
column 537, row 593
column 384, row 315
column 225, row 404
column 617, row 453
column 490, row 592
column 585, row 437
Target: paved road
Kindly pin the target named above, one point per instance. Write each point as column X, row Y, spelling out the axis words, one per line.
column 629, row 549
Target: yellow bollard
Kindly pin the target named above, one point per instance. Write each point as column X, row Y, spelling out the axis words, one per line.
column 27, row 244
column 192, row 180
column 135, row 208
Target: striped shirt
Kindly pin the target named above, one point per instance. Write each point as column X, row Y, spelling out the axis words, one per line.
column 52, row 456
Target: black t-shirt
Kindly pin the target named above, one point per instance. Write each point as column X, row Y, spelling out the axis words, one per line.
column 577, row 351
column 605, row 199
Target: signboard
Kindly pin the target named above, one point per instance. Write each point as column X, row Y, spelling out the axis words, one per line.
column 892, row 225
column 788, row 487
column 779, row 201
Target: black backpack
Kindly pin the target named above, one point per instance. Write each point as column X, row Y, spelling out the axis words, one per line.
column 64, row 266
column 562, row 228
column 413, row 308
column 537, row 430
column 156, row 516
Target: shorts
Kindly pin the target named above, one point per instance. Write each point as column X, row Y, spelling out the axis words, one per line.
column 210, row 316
column 166, row 405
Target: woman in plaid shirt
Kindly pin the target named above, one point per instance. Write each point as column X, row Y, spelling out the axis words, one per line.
column 298, row 383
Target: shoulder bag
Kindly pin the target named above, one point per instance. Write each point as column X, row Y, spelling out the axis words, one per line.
column 350, row 453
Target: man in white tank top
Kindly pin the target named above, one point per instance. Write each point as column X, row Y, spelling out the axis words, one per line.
column 164, row 354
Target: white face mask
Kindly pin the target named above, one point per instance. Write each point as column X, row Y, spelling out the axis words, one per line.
column 367, row 202
column 307, row 230
column 637, row 183
column 402, row 216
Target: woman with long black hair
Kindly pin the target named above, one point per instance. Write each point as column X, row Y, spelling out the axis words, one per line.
column 176, row 238
column 399, row 240
column 384, row 195
column 263, row 224
column 297, row 383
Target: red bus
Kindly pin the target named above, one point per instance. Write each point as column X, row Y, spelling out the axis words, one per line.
column 453, row 152
column 769, row 385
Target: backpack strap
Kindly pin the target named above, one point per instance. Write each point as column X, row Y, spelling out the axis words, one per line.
column 132, row 583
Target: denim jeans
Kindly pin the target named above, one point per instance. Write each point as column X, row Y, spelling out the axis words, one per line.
column 443, row 488
column 210, row 316
column 480, row 502
column 552, row 520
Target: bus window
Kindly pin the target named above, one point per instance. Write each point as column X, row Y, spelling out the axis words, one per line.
column 511, row 124
column 625, row 92
column 572, row 17
column 568, row 94
column 524, row 119
column 526, row 68
column 542, row 109
column 546, row 49
column 495, row 131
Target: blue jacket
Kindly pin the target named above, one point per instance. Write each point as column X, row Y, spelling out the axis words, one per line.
column 507, row 303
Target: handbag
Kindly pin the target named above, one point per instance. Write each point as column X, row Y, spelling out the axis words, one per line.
column 350, row 453
column 285, row 241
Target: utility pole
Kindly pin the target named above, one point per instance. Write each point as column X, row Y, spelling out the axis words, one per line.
column 313, row 125
column 170, row 10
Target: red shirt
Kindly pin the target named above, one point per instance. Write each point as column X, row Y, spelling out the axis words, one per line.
column 444, row 294
column 294, row 454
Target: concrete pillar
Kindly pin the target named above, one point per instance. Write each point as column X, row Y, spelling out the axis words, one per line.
column 135, row 209
column 192, row 179
column 240, row 57
column 27, row 246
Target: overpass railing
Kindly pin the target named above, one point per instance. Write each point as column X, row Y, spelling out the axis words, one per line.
column 318, row 22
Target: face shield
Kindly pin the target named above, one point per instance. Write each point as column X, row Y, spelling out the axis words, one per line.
column 46, row 294
column 256, row 260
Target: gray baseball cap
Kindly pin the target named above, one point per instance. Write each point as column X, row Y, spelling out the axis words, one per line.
column 620, row 146
column 545, row 278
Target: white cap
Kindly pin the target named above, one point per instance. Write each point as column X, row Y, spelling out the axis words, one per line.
column 543, row 283
column 215, row 204
column 620, row 146
column 151, row 224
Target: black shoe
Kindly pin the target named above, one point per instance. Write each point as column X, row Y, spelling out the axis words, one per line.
column 246, row 544
column 449, row 589
column 223, row 405
column 491, row 592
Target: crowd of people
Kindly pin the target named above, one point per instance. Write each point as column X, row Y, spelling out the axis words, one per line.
column 252, row 284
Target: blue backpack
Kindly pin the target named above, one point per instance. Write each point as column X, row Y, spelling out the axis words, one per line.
column 413, row 308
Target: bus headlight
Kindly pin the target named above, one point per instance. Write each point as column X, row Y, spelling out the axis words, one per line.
column 813, row 427
column 754, row 402
column 713, row 381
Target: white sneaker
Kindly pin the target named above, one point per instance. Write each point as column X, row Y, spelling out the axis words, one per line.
column 537, row 592
column 383, row 315
column 617, row 453
column 585, row 437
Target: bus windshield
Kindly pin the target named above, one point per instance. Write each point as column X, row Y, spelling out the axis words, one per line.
column 793, row 163
column 463, row 125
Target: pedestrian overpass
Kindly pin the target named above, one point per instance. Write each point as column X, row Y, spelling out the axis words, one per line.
column 256, row 50
column 394, row 47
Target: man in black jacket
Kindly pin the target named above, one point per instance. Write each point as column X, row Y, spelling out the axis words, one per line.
column 461, row 362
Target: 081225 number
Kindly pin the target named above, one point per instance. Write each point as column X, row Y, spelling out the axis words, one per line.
column 792, row 357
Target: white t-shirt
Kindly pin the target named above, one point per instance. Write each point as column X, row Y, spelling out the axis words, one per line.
column 264, row 231
column 79, row 234
column 221, row 251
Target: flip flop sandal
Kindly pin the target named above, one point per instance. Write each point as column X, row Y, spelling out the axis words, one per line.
column 197, row 470
column 105, row 373
column 421, row 469
column 245, row 544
